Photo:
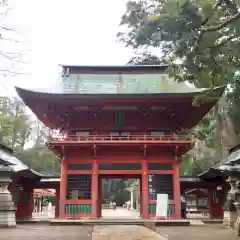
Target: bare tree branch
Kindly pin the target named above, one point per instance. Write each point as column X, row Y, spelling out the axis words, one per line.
column 12, row 72
column 7, row 36
column 10, row 56
column 5, row 13
column 8, row 39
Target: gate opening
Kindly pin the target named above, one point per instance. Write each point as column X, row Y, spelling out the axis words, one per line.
column 120, row 196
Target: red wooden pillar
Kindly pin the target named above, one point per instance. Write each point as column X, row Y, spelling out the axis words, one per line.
column 176, row 190
column 145, row 189
column 140, row 200
column 30, row 202
column 25, row 204
column 215, row 202
column 99, row 206
column 57, row 202
column 221, row 200
column 63, row 189
column 210, row 202
column 95, row 191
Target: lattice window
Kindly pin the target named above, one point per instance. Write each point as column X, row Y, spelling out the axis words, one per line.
column 114, row 133
column 122, row 135
column 157, row 133
column 87, row 166
column 119, row 119
column 83, row 133
column 79, row 186
column 191, row 202
column 120, row 166
column 160, row 166
column 160, row 184
column 202, row 202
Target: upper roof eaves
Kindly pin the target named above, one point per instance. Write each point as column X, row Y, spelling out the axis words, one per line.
column 142, row 87
column 116, row 68
column 56, row 93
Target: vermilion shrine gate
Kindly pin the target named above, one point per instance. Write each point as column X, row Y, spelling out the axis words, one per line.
column 116, row 122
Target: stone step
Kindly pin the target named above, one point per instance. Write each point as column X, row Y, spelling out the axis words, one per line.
column 196, row 222
column 140, row 222
column 118, row 232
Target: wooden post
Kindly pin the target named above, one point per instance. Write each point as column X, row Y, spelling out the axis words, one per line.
column 95, row 190
column 140, row 196
column 57, row 202
column 63, row 189
column 176, row 190
column 210, row 202
column 144, row 201
column 99, row 207
column 25, row 204
column 215, row 200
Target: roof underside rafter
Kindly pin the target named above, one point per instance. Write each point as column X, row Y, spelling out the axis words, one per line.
column 174, row 107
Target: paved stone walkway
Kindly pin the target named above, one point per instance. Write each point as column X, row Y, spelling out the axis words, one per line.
column 126, row 232
column 206, row 232
column 117, row 232
column 120, row 213
column 46, row 232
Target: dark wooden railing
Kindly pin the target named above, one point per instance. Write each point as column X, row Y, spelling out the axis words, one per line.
column 130, row 138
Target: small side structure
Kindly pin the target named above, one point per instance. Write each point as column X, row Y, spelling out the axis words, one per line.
column 229, row 174
column 20, row 186
column 21, row 183
column 215, row 193
column 197, row 201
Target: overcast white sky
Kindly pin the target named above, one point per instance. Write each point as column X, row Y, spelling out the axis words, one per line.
column 80, row 32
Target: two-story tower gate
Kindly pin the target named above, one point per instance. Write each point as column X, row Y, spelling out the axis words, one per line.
column 119, row 121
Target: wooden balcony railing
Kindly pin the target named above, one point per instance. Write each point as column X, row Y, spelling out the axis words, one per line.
column 126, row 139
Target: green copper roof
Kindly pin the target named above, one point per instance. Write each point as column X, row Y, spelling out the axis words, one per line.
column 127, row 79
column 123, row 83
column 120, row 81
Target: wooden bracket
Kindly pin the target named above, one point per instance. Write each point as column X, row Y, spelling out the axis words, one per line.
column 63, row 154
column 95, row 116
column 145, row 151
column 176, row 152
column 94, row 154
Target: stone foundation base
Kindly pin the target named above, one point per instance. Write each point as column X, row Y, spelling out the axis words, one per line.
column 7, row 208
column 230, row 218
column 7, row 219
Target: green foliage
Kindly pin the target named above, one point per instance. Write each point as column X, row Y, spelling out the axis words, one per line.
column 40, row 159
column 121, row 197
column 199, row 41
column 15, row 124
column 116, row 190
column 19, row 131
